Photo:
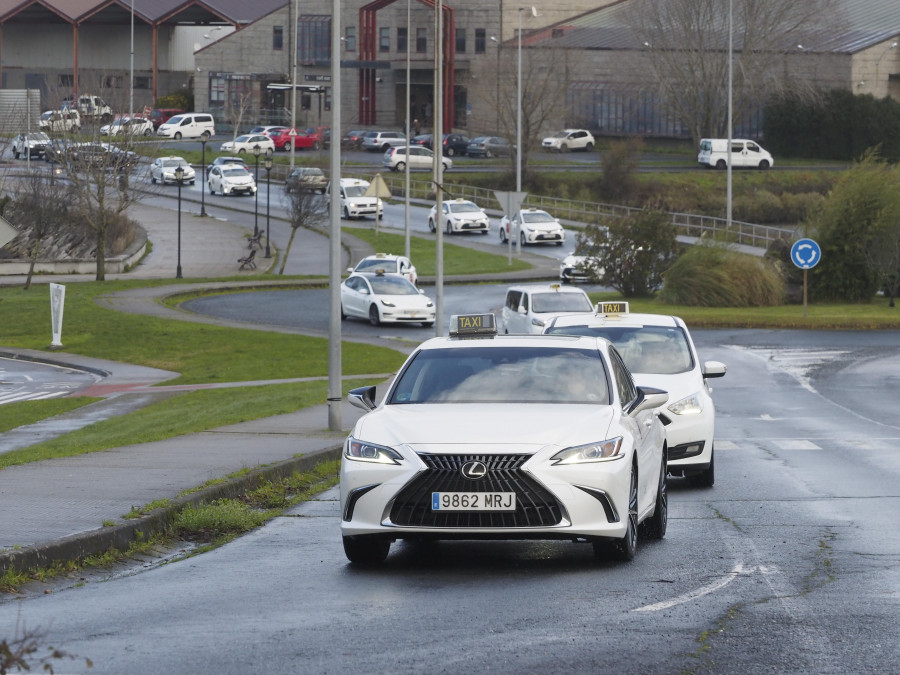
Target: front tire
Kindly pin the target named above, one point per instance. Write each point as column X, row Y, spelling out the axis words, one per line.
column 374, row 318
column 431, row 226
column 522, row 238
column 366, row 549
column 707, row 477
column 720, row 165
column 589, row 147
column 624, row 549
column 177, row 136
column 502, row 234
column 656, row 525
column 449, row 228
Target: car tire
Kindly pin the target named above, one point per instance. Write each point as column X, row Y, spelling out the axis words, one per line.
column 177, row 136
column 450, row 152
column 146, row 132
column 563, row 147
column 488, row 154
column 764, row 164
column 707, row 477
column 240, row 151
column 16, row 153
column 366, row 549
column 522, row 238
column 205, row 135
column 374, row 319
column 427, row 324
column 720, row 165
column 343, row 313
column 401, row 166
column 448, row 228
column 385, row 147
column 431, row 226
column 655, row 526
column 346, row 213
column 624, row 549
column 588, row 147
column 446, row 167
column 502, row 234
column 153, row 179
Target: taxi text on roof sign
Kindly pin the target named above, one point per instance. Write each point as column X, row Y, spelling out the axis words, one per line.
column 462, row 325
column 612, row 308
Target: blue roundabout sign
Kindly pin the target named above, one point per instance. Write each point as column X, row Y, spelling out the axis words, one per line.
column 805, row 253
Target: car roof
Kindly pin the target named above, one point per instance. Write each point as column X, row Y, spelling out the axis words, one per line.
column 507, row 341
column 559, row 288
column 665, row 320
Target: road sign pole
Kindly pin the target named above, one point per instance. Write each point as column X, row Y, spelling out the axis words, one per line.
column 805, row 273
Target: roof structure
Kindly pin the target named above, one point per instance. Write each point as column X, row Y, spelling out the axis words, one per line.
column 154, row 12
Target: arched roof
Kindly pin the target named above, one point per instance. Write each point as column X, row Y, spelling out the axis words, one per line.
column 153, row 12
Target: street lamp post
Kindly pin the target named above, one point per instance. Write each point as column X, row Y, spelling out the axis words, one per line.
column 268, row 191
column 179, row 178
column 203, row 140
column 256, row 151
column 497, row 87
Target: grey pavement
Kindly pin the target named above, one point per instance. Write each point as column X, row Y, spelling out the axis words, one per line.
column 67, row 508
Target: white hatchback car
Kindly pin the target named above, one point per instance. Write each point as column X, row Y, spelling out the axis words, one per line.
column 417, row 156
column 248, row 143
column 569, row 139
column 528, row 308
column 534, row 227
column 162, row 170
column 134, row 126
column 389, row 264
column 659, row 352
column 484, row 436
column 385, row 298
column 230, row 179
column 459, row 215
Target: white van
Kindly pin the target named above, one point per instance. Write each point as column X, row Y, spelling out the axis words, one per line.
column 354, row 202
column 744, row 153
column 529, row 307
column 188, row 125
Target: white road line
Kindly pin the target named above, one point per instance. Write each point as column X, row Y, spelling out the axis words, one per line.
column 726, row 445
column 697, row 592
column 795, row 444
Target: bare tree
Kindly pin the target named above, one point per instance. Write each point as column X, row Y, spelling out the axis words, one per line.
column 305, row 209
column 239, row 102
column 686, row 52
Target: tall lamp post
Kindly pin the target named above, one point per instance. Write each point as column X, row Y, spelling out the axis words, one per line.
column 203, row 140
column 256, row 151
column 497, row 94
column 179, row 178
column 268, row 192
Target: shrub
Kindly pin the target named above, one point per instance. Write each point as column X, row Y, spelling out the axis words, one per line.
column 711, row 275
column 759, row 207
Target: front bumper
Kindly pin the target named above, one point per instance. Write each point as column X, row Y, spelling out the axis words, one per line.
column 541, row 237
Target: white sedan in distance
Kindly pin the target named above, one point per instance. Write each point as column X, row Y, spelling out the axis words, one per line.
column 134, row 126
column 162, row 170
column 387, row 263
column 385, row 298
column 485, row 436
column 459, row 215
column 534, row 227
column 230, row 179
column 659, row 352
column 247, row 143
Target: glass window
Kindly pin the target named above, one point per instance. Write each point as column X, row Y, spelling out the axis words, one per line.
column 421, row 40
column 384, row 39
column 402, row 39
column 480, row 40
column 461, row 40
column 277, row 38
column 314, row 38
column 350, row 38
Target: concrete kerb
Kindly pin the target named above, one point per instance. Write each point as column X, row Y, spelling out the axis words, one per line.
column 120, row 536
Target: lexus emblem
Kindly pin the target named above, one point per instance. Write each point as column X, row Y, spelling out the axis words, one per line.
column 473, row 470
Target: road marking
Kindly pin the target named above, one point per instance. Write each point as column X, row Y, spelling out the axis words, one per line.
column 697, row 592
column 791, row 444
column 726, row 445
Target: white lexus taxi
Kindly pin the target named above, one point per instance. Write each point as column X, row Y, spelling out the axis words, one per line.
column 486, row 436
column 659, row 352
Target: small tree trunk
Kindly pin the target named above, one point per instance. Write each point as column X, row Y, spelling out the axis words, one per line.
column 101, row 256
column 287, row 251
column 34, row 255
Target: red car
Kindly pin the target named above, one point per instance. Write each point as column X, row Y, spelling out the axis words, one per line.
column 302, row 141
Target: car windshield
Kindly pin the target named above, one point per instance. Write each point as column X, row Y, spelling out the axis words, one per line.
column 559, row 302
column 234, row 171
column 174, row 162
column 377, row 264
column 464, row 208
column 561, row 134
column 503, row 375
column 355, row 190
column 38, row 136
column 392, row 285
column 537, row 217
column 660, row 350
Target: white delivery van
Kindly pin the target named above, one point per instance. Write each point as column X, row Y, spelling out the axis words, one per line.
column 188, row 125
column 744, row 153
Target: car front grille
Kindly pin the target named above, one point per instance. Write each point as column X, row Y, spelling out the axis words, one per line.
column 535, row 506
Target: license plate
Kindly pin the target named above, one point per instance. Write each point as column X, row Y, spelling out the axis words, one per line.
column 473, row 501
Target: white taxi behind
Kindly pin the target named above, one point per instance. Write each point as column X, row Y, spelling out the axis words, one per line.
column 459, row 215
column 385, row 298
column 484, row 436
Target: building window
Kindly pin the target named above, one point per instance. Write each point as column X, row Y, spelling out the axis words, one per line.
column 65, row 80
column 141, row 82
column 350, row 39
column 384, row 39
column 402, row 39
column 217, row 92
column 112, row 82
column 277, row 38
column 480, row 40
column 460, row 40
column 314, row 38
column 421, row 40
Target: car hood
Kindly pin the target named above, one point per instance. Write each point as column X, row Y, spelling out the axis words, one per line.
column 469, row 217
column 238, row 180
column 542, row 226
column 485, row 427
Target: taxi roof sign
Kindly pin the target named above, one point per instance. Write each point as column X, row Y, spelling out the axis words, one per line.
column 612, row 308
column 473, row 325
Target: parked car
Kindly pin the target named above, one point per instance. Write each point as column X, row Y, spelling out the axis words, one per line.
column 424, row 140
column 352, row 140
column 60, row 120
column 188, row 125
column 220, row 161
column 162, row 170
column 302, row 140
column 322, row 133
column 135, row 126
column 248, row 143
column 32, row 144
column 459, row 215
column 418, row 158
column 455, row 144
column 267, row 130
column 159, row 116
column 534, row 226
column 569, row 139
column 489, row 146
column 382, row 140
column 57, row 150
column 306, row 178
column 230, row 179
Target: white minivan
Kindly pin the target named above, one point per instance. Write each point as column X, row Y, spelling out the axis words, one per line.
column 354, row 201
column 188, row 125
column 744, row 153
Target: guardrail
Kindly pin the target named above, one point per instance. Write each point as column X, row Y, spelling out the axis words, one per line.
column 577, row 212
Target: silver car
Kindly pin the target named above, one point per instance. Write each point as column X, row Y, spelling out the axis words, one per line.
column 382, row 140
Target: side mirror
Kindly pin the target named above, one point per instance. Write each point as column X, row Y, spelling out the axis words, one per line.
column 648, row 398
column 362, row 398
column 714, row 369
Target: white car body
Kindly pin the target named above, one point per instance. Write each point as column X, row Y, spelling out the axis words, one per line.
column 389, row 264
column 162, row 170
column 495, row 439
column 744, row 154
column 385, row 298
column 569, row 139
column 33, row 143
column 459, row 215
column 528, row 308
column 534, row 227
column 248, row 143
column 659, row 352
column 231, row 179
column 354, row 202
column 418, row 157
column 579, row 268
column 60, row 120
column 135, row 126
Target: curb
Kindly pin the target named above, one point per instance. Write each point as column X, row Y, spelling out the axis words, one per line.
column 120, row 536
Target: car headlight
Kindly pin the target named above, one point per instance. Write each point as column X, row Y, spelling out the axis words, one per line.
column 690, row 405
column 592, row 452
column 361, row 451
column 387, row 303
column 429, row 304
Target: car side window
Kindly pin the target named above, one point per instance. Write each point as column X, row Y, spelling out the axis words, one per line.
column 624, row 383
column 523, row 304
column 512, row 300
